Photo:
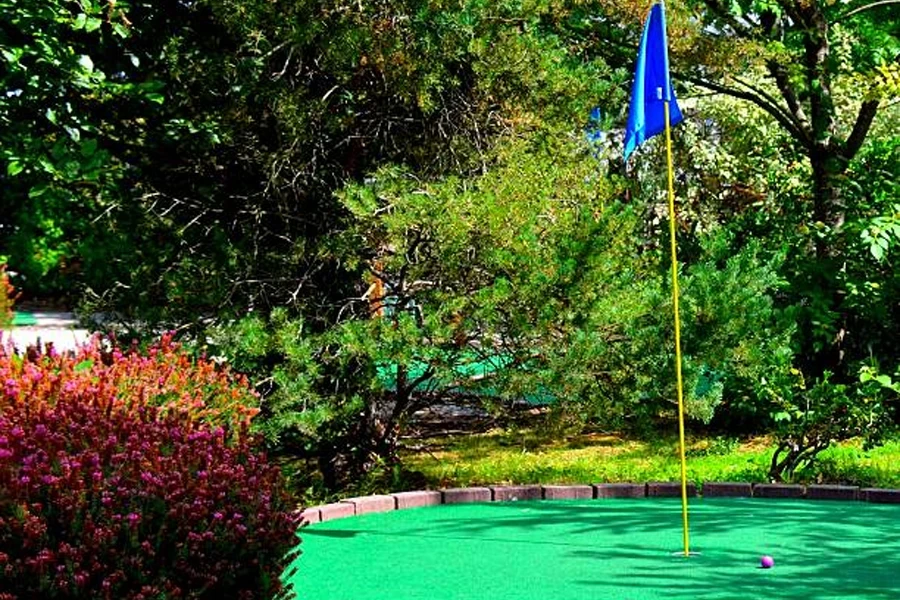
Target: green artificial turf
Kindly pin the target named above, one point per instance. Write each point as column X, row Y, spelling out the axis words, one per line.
column 620, row 549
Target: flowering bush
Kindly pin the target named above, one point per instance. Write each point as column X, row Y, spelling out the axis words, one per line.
column 6, row 299
column 164, row 376
column 99, row 502
column 133, row 475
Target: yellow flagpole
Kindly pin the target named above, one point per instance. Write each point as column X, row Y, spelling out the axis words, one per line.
column 678, row 379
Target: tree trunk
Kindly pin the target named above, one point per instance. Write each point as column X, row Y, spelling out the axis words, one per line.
column 829, row 211
column 828, row 205
column 330, row 466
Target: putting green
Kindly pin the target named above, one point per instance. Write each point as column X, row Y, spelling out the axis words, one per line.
column 605, row 549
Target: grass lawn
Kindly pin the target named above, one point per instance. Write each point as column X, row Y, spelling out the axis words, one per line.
column 527, row 456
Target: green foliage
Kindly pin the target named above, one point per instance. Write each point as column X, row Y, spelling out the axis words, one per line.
column 734, row 339
column 748, row 175
column 459, row 290
column 66, row 69
column 811, row 419
column 842, row 304
column 851, row 464
column 185, row 164
column 228, row 197
column 869, row 282
column 282, row 354
column 882, row 233
column 531, row 456
column 494, row 267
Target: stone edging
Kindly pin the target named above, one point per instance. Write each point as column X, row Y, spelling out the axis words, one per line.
column 654, row 489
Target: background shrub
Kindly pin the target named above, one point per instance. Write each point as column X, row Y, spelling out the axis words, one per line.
column 6, row 299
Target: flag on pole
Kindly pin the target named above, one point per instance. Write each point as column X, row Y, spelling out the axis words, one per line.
column 652, row 86
column 653, row 110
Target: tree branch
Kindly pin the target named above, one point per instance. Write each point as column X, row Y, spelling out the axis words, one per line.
column 778, row 113
column 818, row 79
column 864, row 119
column 775, row 468
column 779, row 74
column 720, row 11
column 799, row 123
column 790, row 8
column 860, row 9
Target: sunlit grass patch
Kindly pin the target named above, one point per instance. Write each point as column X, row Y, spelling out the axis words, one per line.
column 524, row 456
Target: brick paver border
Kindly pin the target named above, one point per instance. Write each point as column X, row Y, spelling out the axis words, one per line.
column 654, row 489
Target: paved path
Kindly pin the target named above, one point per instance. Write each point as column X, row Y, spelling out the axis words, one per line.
column 59, row 328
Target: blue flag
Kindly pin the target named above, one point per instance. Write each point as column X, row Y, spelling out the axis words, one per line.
column 651, row 87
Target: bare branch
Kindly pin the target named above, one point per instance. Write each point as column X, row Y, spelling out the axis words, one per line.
column 427, row 374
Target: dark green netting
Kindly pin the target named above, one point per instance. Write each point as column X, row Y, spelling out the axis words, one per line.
column 23, row 319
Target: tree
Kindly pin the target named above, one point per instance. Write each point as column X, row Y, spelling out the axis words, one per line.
column 824, row 73
column 460, row 291
column 274, row 158
column 102, row 103
column 821, row 70
column 228, row 203
column 811, row 53
column 530, row 277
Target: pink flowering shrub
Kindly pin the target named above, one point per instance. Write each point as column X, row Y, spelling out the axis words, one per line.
column 164, row 376
column 97, row 502
column 129, row 475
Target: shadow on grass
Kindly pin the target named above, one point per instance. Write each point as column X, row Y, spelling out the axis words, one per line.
column 623, row 548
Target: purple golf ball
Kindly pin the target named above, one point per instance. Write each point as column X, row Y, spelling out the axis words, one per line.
column 767, row 562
